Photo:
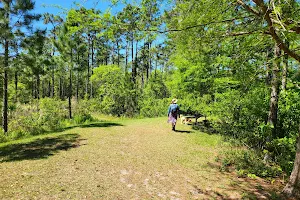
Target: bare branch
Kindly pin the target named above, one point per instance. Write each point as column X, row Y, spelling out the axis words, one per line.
column 284, row 25
column 249, row 8
column 278, row 40
column 197, row 25
column 245, row 33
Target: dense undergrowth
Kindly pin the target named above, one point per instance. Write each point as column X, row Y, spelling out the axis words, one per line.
column 238, row 116
column 238, row 119
column 44, row 116
column 257, row 148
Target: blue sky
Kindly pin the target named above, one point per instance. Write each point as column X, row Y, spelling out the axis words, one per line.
column 51, row 6
column 58, row 7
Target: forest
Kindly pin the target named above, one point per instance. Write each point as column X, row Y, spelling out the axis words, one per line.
column 234, row 62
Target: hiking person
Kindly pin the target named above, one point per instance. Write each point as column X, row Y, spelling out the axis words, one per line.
column 173, row 111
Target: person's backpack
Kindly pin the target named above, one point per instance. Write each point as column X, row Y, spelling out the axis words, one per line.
column 174, row 109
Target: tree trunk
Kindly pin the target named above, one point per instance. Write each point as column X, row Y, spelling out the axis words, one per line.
column 136, row 59
column 156, row 63
column 144, row 65
column 148, row 63
column 43, row 88
column 70, row 86
column 126, row 57
column 118, row 49
column 5, row 84
column 16, row 86
column 88, row 71
column 77, row 87
column 53, row 70
column 32, row 88
column 77, row 77
column 38, row 86
column 268, row 74
column 292, row 188
column 136, row 49
column 150, row 60
column 64, row 86
column 92, row 72
column 272, row 117
column 46, row 88
column 113, row 54
column 143, row 81
column 285, row 70
column 70, row 94
column 60, row 88
column 53, row 80
column 132, row 62
column 49, row 88
column 106, row 58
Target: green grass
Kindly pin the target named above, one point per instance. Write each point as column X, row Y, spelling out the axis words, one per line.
column 120, row 159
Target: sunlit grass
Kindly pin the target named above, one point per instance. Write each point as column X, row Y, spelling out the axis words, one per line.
column 119, row 159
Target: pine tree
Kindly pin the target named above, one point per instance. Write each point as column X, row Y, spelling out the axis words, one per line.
column 66, row 45
column 35, row 58
column 15, row 16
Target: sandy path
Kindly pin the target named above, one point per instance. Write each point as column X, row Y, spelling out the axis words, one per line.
column 130, row 159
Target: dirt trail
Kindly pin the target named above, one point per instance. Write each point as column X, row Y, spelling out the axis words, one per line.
column 129, row 159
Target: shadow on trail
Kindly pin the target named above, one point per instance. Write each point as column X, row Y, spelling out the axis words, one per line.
column 100, row 124
column 182, row 131
column 91, row 125
column 43, row 148
column 252, row 191
column 247, row 187
column 40, row 148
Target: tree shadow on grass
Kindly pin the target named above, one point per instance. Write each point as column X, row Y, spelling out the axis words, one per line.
column 45, row 147
column 248, row 188
column 251, row 191
column 256, row 189
column 91, row 125
column 182, row 131
column 39, row 148
column 99, row 124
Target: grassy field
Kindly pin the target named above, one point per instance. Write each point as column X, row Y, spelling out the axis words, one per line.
column 122, row 159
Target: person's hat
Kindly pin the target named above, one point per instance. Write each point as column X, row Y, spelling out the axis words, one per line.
column 174, row 100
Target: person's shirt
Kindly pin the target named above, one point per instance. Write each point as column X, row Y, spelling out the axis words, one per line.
column 174, row 108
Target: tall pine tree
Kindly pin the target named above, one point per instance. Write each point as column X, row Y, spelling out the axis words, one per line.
column 15, row 16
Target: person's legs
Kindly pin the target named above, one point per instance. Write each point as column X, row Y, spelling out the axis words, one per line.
column 175, row 122
column 173, row 126
column 174, row 116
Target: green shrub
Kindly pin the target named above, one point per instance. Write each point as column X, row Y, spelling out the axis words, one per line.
column 204, row 126
column 17, row 134
column 249, row 163
column 37, row 118
column 283, row 151
column 3, row 138
column 113, row 91
column 52, row 112
column 83, row 118
column 87, row 106
column 244, row 116
column 154, row 107
column 25, row 121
